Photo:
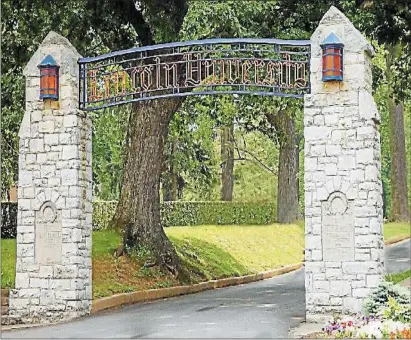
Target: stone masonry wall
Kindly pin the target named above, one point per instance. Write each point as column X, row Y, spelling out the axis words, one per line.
column 53, row 269
column 343, row 191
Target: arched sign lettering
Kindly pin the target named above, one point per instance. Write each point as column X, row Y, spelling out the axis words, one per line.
column 213, row 66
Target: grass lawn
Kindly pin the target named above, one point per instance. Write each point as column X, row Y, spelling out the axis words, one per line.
column 8, row 262
column 393, row 230
column 207, row 252
column 396, row 278
column 238, row 250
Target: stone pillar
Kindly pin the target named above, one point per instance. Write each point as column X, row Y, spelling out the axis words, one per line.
column 53, row 269
column 343, row 191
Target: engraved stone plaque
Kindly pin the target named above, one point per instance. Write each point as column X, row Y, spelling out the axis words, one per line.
column 338, row 228
column 48, row 234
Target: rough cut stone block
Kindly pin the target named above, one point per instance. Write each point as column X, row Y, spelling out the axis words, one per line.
column 36, row 145
column 321, row 286
column 51, row 139
column 70, row 152
column 69, row 176
column 46, row 271
column 361, row 292
column 70, row 121
column 340, row 288
column 46, row 126
column 39, row 283
column 22, row 280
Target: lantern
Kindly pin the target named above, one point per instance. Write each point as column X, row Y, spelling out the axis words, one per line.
column 49, row 79
column 332, row 54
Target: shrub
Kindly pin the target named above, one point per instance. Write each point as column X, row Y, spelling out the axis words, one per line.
column 172, row 214
column 8, row 219
column 385, row 292
column 396, row 311
column 103, row 212
column 220, row 213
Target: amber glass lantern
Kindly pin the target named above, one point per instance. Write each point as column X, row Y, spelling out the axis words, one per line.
column 332, row 57
column 49, row 79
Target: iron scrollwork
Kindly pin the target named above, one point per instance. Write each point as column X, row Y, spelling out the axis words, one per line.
column 242, row 66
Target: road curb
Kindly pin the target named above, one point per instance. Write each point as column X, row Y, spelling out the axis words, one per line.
column 397, row 240
column 162, row 293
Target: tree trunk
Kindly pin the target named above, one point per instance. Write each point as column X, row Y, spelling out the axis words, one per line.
column 287, row 197
column 171, row 184
column 227, row 161
column 399, row 191
column 138, row 210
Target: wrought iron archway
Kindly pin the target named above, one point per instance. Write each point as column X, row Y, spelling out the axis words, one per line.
column 213, row 66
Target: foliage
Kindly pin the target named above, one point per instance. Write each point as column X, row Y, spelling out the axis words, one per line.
column 92, row 26
column 8, row 220
column 380, row 297
column 109, row 137
column 207, row 19
column 189, row 149
column 255, row 169
column 198, row 213
column 396, row 311
column 24, row 26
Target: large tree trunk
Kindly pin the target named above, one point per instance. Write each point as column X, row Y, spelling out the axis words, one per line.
column 287, row 197
column 170, row 186
column 399, row 191
column 227, row 161
column 138, row 210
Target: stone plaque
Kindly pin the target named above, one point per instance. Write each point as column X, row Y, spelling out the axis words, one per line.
column 338, row 228
column 48, row 234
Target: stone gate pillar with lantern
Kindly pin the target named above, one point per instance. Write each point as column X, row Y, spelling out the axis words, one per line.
column 53, row 269
column 343, row 191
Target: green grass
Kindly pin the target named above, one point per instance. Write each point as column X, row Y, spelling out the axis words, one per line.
column 396, row 229
column 105, row 242
column 205, row 261
column 8, row 263
column 396, row 278
column 207, row 252
column 253, row 248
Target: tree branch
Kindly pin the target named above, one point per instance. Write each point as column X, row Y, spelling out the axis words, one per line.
column 254, row 159
column 136, row 19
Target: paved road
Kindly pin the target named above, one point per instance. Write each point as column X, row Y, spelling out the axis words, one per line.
column 265, row 309
column 398, row 257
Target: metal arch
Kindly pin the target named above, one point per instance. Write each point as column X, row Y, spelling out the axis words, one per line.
column 270, row 67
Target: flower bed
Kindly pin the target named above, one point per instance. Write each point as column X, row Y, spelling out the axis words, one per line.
column 371, row 327
column 387, row 315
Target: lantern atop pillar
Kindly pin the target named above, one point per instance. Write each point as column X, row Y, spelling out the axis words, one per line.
column 332, row 57
column 49, row 78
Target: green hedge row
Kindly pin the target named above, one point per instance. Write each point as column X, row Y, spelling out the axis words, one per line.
column 172, row 214
column 196, row 213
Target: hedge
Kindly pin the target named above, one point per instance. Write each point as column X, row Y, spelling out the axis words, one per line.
column 8, row 219
column 198, row 213
column 172, row 214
